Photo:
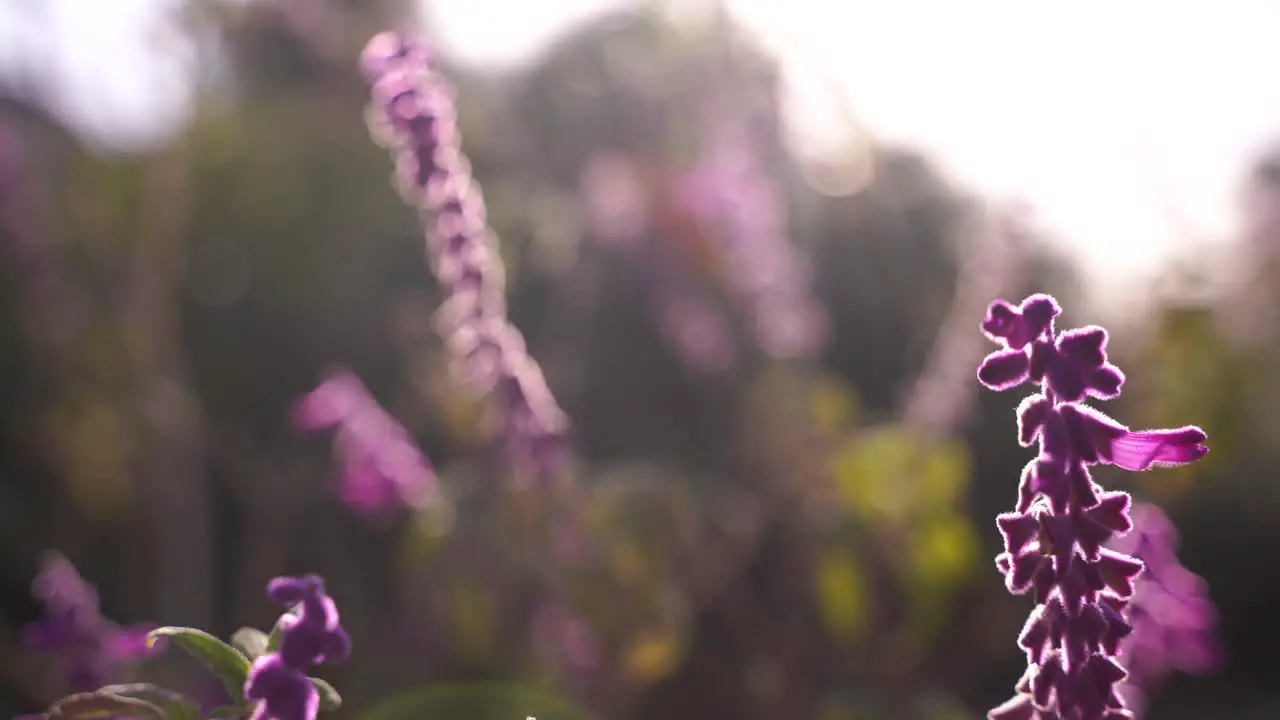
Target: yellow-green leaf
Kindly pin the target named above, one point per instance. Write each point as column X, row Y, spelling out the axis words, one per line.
column 842, row 594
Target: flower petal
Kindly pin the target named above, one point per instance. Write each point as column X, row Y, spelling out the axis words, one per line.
column 1151, row 448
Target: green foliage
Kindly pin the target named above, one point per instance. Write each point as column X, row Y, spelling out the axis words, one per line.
column 329, row 697
column 833, row 404
column 228, row 664
column 175, row 706
column 843, row 596
column 942, row 553
column 909, row 490
column 474, row 619
column 229, row 712
column 250, row 641
column 485, row 701
column 102, row 705
column 1192, row 374
column 273, row 639
column 889, row 475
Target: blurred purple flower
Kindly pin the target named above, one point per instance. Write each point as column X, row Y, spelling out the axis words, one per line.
column 700, row 336
column 564, row 639
column 618, row 209
column 311, row 634
column 615, row 201
column 764, row 270
column 1054, row 541
column 380, row 466
column 89, row 650
column 1174, row 622
column 413, row 114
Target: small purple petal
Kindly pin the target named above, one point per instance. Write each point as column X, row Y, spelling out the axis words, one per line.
column 1118, row 572
column 1084, row 347
column 1151, row 448
column 1016, row 327
column 1105, row 382
column 1004, row 369
column 290, row 591
column 1112, row 512
column 1039, row 311
column 1032, row 413
column 1018, row 529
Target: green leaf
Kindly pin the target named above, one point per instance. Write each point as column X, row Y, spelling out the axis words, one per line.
column 273, row 640
column 250, row 641
column 175, row 705
column 228, row 712
column 329, row 697
column 228, row 664
column 102, row 705
column 480, row 701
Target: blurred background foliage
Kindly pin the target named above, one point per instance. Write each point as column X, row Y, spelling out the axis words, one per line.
column 779, row 540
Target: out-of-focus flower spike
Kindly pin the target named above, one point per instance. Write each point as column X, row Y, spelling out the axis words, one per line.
column 90, row 650
column 379, row 465
column 1174, row 622
column 412, row 113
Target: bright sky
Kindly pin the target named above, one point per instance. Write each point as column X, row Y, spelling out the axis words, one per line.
column 1126, row 123
column 1112, row 117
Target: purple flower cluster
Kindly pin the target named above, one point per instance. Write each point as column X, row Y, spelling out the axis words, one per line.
column 310, row 634
column 88, row 649
column 698, row 334
column 381, row 468
column 622, row 218
column 1054, row 541
column 413, row 114
column 1173, row 620
column 765, row 271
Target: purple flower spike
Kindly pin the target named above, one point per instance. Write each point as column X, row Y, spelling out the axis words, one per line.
column 413, row 114
column 1059, row 543
column 310, row 634
column 767, row 275
column 1174, row 622
column 381, row 467
column 90, row 650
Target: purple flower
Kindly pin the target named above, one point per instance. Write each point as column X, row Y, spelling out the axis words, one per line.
column 615, row 202
column 413, row 114
column 765, row 272
column 90, row 650
column 1173, row 620
column 381, row 468
column 564, row 639
column 1055, row 540
column 311, row 634
column 695, row 331
column 619, row 208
